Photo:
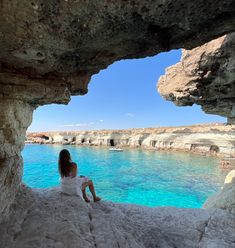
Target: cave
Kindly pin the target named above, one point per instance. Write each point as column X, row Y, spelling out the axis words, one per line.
column 50, row 50
column 83, row 141
column 153, row 142
column 111, row 142
column 193, row 147
column 73, row 139
column 214, row 149
column 44, row 137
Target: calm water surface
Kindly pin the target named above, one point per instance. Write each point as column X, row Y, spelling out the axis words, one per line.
column 148, row 178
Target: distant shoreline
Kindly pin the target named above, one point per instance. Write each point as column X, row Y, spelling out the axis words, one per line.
column 205, row 139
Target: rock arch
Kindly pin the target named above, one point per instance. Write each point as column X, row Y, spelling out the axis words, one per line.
column 50, row 49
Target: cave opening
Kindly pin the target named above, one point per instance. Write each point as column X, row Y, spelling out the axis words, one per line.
column 154, row 143
column 114, row 121
column 44, row 137
column 214, row 149
column 111, row 142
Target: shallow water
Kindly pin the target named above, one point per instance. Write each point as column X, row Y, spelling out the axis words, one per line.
column 150, row 178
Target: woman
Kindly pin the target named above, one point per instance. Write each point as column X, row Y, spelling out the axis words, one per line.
column 71, row 183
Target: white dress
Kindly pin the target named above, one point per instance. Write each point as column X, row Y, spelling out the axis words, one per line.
column 72, row 185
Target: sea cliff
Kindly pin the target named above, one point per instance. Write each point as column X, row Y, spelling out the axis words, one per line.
column 214, row 139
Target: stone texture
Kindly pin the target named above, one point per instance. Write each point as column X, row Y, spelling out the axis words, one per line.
column 50, row 49
column 214, row 139
column 15, row 117
column 47, row 218
column 204, row 76
column 225, row 198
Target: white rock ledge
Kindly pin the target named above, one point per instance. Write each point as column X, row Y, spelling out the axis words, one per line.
column 47, row 218
column 211, row 139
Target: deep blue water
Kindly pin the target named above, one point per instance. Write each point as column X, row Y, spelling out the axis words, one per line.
column 150, row 178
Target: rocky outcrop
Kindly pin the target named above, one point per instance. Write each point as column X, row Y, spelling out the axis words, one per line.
column 15, row 117
column 48, row 52
column 225, row 198
column 55, row 46
column 48, row 218
column 50, row 49
column 204, row 76
column 214, row 139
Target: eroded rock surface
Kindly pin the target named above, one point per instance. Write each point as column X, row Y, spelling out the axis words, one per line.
column 47, row 218
column 205, row 76
column 225, row 198
column 214, row 139
column 15, row 117
column 49, row 50
column 60, row 44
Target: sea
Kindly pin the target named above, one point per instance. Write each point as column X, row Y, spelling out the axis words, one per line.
column 144, row 177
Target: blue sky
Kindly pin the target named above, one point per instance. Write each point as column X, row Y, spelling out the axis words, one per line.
column 122, row 96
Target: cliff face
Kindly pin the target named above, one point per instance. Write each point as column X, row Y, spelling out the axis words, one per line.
column 213, row 139
column 204, row 76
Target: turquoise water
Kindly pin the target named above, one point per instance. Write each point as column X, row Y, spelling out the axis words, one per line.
column 148, row 178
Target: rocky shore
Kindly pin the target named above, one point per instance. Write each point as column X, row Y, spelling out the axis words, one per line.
column 48, row 218
column 214, row 139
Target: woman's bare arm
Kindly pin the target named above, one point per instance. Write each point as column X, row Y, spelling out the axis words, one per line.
column 74, row 170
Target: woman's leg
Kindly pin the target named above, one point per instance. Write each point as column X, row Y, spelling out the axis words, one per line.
column 86, row 199
column 92, row 190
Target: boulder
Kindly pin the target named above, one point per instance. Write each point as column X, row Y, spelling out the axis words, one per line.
column 225, row 198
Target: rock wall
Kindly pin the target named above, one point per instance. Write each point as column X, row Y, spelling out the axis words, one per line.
column 211, row 139
column 15, row 117
column 60, row 42
column 204, row 76
column 225, row 198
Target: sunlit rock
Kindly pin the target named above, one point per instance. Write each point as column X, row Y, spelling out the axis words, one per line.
column 204, row 76
column 214, row 139
column 48, row 218
column 225, row 198
column 49, row 51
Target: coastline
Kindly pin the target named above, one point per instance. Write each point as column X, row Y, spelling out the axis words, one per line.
column 214, row 140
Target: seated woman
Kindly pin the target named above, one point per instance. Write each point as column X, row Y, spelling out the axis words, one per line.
column 71, row 183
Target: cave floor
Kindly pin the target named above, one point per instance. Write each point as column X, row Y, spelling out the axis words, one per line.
column 47, row 218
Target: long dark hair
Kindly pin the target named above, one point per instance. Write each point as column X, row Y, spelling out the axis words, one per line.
column 64, row 163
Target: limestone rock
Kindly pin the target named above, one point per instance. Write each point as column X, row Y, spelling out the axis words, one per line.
column 49, row 49
column 225, row 198
column 215, row 139
column 46, row 218
column 230, row 177
column 204, row 76
column 15, row 117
